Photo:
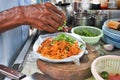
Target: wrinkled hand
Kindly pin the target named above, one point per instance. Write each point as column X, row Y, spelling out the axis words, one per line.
column 43, row 16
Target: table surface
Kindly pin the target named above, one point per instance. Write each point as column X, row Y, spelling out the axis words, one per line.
column 32, row 61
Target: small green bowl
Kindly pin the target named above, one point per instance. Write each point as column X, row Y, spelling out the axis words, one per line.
column 96, row 32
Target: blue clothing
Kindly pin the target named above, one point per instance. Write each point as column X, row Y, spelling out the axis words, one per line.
column 12, row 41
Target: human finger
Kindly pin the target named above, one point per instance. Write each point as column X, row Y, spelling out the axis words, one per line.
column 56, row 18
column 53, row 8
column 50, row 13
column 40, row 25
column 49, row 21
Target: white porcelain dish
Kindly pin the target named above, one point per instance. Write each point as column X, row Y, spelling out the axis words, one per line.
column 69, row 59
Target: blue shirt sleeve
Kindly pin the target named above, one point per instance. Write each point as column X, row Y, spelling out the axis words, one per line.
column 12, row 41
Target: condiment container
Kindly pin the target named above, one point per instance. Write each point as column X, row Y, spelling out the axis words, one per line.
column 118, row 4
column 103, row 4
column 95, row 4
column 85, row 5
column 112, row 4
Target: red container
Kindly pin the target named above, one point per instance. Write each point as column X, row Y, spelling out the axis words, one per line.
column 104, row 4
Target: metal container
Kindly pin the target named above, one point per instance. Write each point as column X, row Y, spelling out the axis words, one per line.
column 97, row 20
column 100, row 19
column 81, row 19
column 89, row 19
column 66, row 8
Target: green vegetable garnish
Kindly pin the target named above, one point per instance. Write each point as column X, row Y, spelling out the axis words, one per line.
column 85, row 32
column 104, row 75
column 61, row 27
column 81, row 45
column 65, row 23
column 65, row 37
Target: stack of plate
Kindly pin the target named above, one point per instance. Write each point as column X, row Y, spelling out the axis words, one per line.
column 111, row 36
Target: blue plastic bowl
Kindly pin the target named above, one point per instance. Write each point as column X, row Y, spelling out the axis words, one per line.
column 111, row 36
column 111, row 32
column 110, row 40
column 114, row 35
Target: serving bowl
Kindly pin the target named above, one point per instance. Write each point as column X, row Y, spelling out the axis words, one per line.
column 95, row 33
column 111, row 30
column 108, row 63
column 111, row 36
column 68, row 59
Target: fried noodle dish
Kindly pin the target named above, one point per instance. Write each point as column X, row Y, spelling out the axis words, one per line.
column 59, row 47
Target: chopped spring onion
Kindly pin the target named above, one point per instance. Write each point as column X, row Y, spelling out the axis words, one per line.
column 61, row 27
column 65, row 37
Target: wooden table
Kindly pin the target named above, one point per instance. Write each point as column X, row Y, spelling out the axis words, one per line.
column 69, row 71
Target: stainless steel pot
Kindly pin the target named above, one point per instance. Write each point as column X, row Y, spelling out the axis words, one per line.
column 81, row 19
column 67, row 9
column 89, row 19
column 101, row 18
column 97, row 20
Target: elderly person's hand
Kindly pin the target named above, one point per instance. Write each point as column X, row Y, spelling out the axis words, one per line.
column 41, row 16
column 44, row 16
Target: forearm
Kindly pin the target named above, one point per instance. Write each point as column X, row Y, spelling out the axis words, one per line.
column 41, row 16
column 11, row 18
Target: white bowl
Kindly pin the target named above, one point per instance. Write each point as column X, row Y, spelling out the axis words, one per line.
column 109, row 63
column 69, row 59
